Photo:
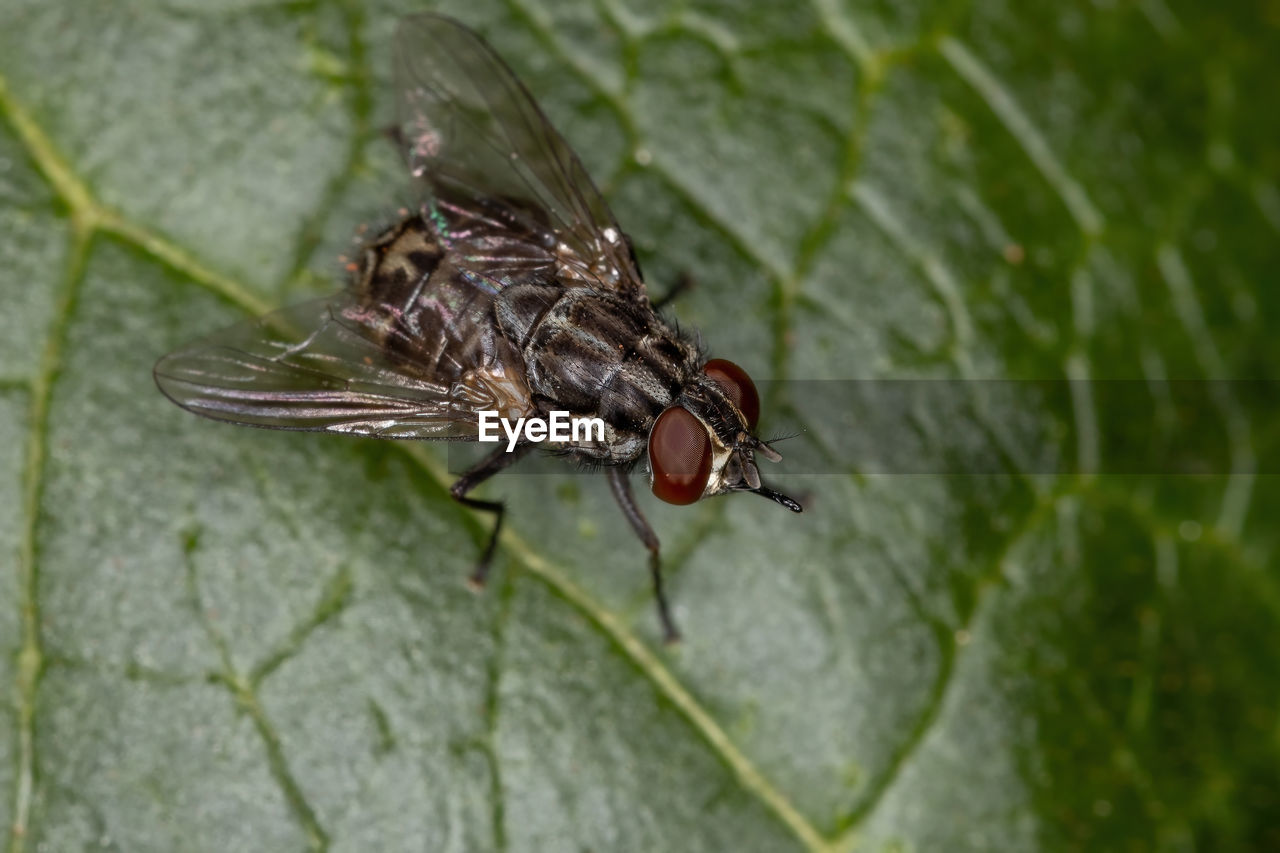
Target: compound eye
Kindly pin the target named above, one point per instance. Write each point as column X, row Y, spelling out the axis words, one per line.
column 737, row 386
column 680, row 456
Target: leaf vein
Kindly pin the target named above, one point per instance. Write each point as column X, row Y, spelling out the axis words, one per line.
column 1024, row 131
column 986, row 584
column 244, row 693
column 31, row 663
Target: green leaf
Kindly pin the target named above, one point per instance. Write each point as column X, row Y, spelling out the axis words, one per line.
column 235, row 639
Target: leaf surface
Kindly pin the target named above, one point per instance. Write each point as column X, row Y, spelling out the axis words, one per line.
column 235, row 639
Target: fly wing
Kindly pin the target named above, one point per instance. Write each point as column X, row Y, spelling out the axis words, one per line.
column 412, row 351
column 326, row 365
column 479, row 143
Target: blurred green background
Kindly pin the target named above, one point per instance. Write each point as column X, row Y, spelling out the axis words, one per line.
column 214, row 638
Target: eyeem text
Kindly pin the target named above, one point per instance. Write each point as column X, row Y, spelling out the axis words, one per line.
column 561, row 426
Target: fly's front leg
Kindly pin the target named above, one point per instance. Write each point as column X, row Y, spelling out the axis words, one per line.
column 621, row 487
column 483, row 470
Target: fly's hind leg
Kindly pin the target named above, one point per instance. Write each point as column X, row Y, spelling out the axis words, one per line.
column 621, row 488
column 483, row 470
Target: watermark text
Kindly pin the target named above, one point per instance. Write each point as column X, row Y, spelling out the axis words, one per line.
column 560, row 426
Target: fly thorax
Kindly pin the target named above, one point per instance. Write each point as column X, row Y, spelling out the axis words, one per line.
column 597, row 352
column 520, row 309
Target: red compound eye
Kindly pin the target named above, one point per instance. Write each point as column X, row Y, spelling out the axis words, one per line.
column 738, row 386
column 680, row 456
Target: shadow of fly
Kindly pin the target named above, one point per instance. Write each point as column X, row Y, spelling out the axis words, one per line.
column 509, row 291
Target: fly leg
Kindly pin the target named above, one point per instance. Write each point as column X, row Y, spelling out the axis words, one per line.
column 684, row 282
column 621, row 487
column 477, row 474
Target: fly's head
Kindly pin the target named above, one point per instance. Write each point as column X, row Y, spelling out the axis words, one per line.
column 703, row 445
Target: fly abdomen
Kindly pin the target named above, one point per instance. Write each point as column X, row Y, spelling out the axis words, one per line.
column 428, row 317
column 395, row 264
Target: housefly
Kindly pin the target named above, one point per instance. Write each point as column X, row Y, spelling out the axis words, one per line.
column 510, row 288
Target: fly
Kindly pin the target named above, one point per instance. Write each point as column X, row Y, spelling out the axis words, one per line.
column 509, row 290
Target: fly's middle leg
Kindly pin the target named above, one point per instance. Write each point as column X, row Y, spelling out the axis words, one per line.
column 683, row 284
column 621, row 488
column 481, row 471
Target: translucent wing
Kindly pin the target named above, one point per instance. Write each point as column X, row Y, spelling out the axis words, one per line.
column 328, row 365
column 473, row 134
